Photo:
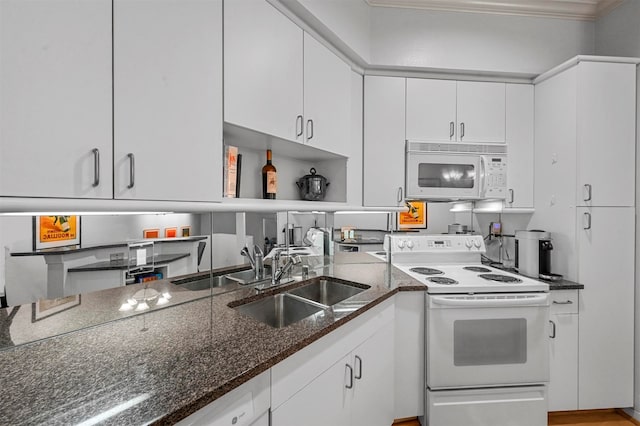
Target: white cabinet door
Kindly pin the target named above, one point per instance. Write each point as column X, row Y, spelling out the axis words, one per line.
column 168, row 100
column 55, row 98
column 563, row 366
column 606, row 134
column 263, row 69
column 373, row 364
column 519, row 138
column 480, row 111
column 384, row 140
column 431, row 109
column 324, row 401
column 327, row 98
column 409, row 354
column 606, row 268
column 563, row 351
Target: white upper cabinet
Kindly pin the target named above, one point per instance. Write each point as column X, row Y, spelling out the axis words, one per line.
column 519, row 138
column 481, row 111
column 55, row 98
column 168, row 100
column 463, row 111
column 431, row 109
column 280, row 81
column 606, row 100
column 263, row 63
column 384, row 136
column 327, row 98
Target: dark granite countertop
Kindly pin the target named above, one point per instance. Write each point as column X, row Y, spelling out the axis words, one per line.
column 121, row 264
column 168, row 363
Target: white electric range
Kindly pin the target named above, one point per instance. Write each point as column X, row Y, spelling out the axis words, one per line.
column 450, row 264
column 486, row 333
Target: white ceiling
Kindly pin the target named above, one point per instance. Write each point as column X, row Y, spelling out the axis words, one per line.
column 568, row 9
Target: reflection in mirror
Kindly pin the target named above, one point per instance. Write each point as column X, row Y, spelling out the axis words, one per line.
column 59, row 275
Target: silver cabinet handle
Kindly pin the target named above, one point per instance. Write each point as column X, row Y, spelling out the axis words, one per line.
column 399, row 194
column 299, row 125
column 511, row 196
column 132, row 170
column 461, row 131
column 553, row 329
column 350, row 385
column 567, row 302
column 309, row 130
column 587, row 192
column 359, row 367
column 452, row 129
column 96, row 167
column 586, row 220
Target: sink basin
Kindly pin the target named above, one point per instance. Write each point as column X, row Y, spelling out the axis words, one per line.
column 246, row 277
column 278, row 310
column 202, row 283
column 327, row 292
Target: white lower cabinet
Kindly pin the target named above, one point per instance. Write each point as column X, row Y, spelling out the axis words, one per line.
column 563, row 346
column 409, row 354
column 346, row 378
column 247, row 405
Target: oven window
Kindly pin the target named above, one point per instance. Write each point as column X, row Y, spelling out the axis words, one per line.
column 433, row 175
column 490, row 342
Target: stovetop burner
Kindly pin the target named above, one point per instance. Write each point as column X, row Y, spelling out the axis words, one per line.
column 476, row 269
column 426, row 271
column 442, row 280
column 500, row 278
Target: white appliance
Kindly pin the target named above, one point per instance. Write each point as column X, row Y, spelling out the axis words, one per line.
column 455, row 171
column 487, row 354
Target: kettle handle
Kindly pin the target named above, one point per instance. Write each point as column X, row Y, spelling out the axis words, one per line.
column 299, row 184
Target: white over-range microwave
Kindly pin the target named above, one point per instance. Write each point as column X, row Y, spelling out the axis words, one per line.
column 455, row 171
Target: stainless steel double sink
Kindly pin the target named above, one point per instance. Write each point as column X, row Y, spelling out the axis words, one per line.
column 282, row 309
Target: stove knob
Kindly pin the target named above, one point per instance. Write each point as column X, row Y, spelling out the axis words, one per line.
column 477, row 243
column 410, row 244
column 400, row 243
column 468, row 243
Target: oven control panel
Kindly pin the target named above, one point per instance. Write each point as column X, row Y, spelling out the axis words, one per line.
column 437, row 243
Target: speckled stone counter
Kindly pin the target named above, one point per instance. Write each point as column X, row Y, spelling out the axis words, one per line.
column 564, row 285
column 166, row 364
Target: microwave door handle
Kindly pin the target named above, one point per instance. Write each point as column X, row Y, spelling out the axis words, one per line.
column 481, row 181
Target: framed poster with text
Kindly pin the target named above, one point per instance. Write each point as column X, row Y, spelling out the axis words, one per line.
column 415, row 218
column 55, row 231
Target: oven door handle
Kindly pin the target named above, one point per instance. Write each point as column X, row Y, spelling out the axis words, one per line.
column 491, row 302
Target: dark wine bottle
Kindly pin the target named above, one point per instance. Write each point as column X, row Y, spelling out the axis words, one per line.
column 269, row 179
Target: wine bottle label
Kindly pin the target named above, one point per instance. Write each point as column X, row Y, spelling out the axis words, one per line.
column 272, row 182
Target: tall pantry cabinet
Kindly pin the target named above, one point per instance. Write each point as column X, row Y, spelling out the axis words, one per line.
column 584, row 195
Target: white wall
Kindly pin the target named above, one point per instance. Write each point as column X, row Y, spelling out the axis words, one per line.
column 474, row 41
column 348, row 19
column 618, row 34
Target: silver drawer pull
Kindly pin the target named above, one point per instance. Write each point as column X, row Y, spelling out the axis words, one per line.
column 96, row 167
column 132, row 170
column 553, row 329
column 566, row 302
column 359, row 367
column 350, row 385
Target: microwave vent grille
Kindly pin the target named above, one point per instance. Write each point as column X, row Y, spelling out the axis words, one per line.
column 458, row 148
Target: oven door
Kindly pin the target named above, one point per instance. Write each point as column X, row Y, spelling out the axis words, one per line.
column 443, row 176
column 487, row 340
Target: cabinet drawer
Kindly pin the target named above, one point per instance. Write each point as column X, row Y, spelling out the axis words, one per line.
column 564, row 302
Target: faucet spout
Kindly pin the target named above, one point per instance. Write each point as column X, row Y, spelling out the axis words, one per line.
column 245, row 252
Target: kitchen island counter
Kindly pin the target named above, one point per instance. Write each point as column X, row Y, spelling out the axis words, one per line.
column 163, row 365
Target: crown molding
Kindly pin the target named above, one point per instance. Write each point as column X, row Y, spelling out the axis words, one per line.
column 584, row 10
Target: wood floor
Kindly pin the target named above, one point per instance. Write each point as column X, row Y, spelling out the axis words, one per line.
column 570, row 418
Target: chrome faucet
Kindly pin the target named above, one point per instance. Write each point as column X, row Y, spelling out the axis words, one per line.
column 256, row 260
column 278, row 271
